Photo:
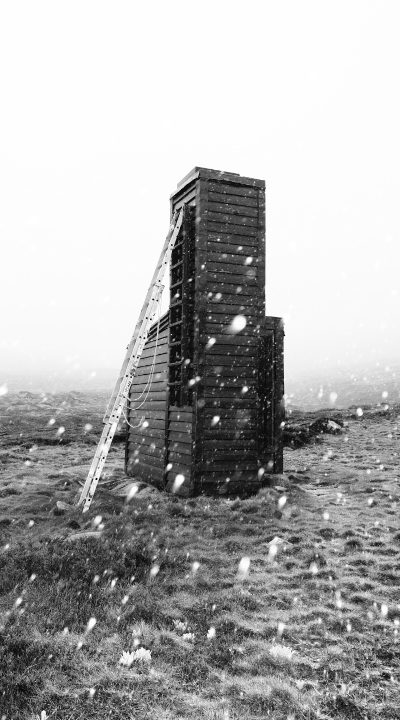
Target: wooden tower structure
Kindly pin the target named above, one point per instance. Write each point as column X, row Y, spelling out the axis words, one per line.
column 205, row 410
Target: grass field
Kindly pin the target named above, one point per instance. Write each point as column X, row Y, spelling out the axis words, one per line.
column 238, row 623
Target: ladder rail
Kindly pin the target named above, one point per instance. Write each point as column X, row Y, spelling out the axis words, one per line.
column 158, row 275
column 131, row 361
column 111, row 425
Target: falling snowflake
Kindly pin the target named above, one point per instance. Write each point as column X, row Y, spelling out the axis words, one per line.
column 179, row 480
column 92, row 622
column 154, row 571
column 281, row 627
column 238, row 324
column 244, row 566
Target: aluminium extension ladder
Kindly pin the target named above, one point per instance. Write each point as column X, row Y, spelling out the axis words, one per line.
column 131, row 361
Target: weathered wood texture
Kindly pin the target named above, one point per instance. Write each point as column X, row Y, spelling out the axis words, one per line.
column 146, row 409
column 219, row 377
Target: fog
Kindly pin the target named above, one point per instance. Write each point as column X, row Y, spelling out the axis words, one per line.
column 106, row 106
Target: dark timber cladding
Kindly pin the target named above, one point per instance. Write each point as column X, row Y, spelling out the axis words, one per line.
column 145, row 446
column 211, row 416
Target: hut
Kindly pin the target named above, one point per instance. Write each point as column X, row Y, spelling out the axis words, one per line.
column 206, row 409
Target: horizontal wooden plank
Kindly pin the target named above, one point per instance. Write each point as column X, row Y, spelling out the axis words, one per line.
column 241, row 281
column 236, row 413
column 179, row 447
column 141, row 382
column 149, row 396
column 153, row 386
column 152, row 425
column 153, row 354
column 232, row 209
column 242, row 358
column 232, row 435
column 149, row 405
column 161, row 335
column 231, row 469
column 233, row 421
column 180, row 426
column 159, row 369
column 178, row 469
column 231, row 189
column 179, row 458
column 143, row 459
column 229, row 293
column 240, row 251
column 223, row 393
column 235, row 372
column 221, row 266
column 214, row 326
column 231, row 382
column 218, row 404
column 227, row 218
column 174, row 436
column 154, row 349
column 242, row 231
column 157, row 376
column 176, row 414
column 148, row 447
column 152, row 475
column 243, row 200
column 149, row 415
column 230, row 429
column 237, row 445
column 235, row 307
column 146, row 440
column 233, row 239
column 222, row 340
column 161, row 355
column 232, row 258
column 135, row 434
column 154, row 458
column 241, row 456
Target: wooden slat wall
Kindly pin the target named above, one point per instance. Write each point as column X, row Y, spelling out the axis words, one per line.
column 146, row 439
column 179, row 453
column 220, row 444
column 234, row 269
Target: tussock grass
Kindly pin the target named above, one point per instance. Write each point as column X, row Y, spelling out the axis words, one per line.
column 330, row 594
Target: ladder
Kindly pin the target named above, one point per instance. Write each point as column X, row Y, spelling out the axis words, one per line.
column 131, row 361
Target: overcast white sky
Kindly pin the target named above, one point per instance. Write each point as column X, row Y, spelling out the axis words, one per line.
column 105, row 106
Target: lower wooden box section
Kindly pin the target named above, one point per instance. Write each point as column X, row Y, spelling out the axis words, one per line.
column 140, row 469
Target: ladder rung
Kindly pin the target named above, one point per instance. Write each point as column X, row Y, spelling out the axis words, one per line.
column 131, row 360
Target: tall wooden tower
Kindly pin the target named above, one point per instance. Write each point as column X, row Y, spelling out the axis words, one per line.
column 206, row 405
